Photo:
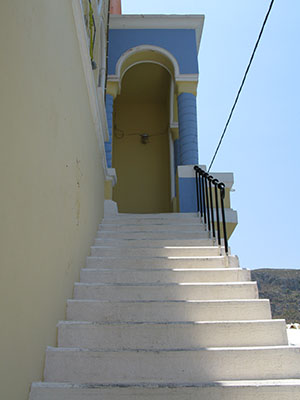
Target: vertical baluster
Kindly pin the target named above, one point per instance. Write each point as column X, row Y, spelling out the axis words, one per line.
column 203, row 196
column 216, row 182
column 200, row 195
column 197, row 188
column 210, row 178
column 222, row 195
column 207, row 201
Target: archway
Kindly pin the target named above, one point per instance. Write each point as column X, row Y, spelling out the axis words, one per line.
column 141, row 154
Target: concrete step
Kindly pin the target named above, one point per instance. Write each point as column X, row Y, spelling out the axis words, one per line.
column 163, row 262
column 190, row 366
column 168, row 311
column 190, row 227
column 279, row 389
column 153, row 220
column 177, row 234
column 171, row 335
column 156, row 243
column 166, row 291
column 184, row 275
column 168, row 251
column 160, row 216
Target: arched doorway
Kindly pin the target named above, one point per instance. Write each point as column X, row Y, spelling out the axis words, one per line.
column 141, row 154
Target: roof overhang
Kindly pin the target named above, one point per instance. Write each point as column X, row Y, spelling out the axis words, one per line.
column 159, row 22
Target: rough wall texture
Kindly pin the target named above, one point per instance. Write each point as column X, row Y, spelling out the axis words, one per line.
column 52, row 182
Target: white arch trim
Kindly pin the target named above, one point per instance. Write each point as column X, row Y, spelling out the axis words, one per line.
column 145, row 47
column 145, row 62
column 177, row 76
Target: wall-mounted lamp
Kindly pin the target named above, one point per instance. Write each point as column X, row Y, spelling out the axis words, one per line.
column 144, row 138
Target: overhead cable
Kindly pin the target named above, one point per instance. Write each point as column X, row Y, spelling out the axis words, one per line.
column 242, row 84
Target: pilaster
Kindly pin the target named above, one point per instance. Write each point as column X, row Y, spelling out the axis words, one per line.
column 188, row 136
column 109, row 116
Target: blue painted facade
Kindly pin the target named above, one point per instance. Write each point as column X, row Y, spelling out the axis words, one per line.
column 109, row 115
column 188, row 136
column 181, row 43
column 187, row 195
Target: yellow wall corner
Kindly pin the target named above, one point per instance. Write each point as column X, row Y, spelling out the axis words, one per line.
column 186, row 87
column 108, row 190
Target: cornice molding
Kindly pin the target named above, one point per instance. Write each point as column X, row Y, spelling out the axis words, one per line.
column 159, row 22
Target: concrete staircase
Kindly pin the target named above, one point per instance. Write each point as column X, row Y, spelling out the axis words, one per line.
column 160, row 312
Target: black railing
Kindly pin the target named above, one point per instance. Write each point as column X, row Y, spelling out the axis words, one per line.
column 208, row 201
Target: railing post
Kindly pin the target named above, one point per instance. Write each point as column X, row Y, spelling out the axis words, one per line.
column 203, row 196
column 222, row 195
column 199, row 190
column 210, row 178
column 216, row 182
column 207, row 201
column 197, row 187
column 200, row 194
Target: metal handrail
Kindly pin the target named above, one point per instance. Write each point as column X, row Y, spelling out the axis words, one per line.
column 205, row 204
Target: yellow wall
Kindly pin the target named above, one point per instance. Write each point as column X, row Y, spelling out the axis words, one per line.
column 51, row 182
column 143, row 170
column 100, row 17
column 226, row 200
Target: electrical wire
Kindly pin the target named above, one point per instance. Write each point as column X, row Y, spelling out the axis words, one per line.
column 242, row 84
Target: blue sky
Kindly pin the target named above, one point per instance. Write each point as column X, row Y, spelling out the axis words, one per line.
column 262, row 143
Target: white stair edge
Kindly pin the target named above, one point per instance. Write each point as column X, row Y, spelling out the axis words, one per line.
column 247, row 383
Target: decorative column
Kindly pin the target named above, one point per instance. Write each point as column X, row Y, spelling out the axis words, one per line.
column 187, row 145
column 109, row 116
column 188, row 136
column 111, row 178
column 112, row 91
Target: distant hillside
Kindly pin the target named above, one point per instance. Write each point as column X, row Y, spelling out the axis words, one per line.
column 282, row 287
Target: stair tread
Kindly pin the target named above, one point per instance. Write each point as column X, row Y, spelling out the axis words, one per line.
column 154, row 242
column 227, row 301
column 265, row 382
column 164, row 257
column 221, row 269
column 166, row 247
column 246, row 283
column 180, row 323
column 277, row 348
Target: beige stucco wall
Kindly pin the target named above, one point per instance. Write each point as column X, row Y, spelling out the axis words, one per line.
column 52, row 182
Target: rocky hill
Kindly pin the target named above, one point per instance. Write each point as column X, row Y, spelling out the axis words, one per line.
column 282, row 287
